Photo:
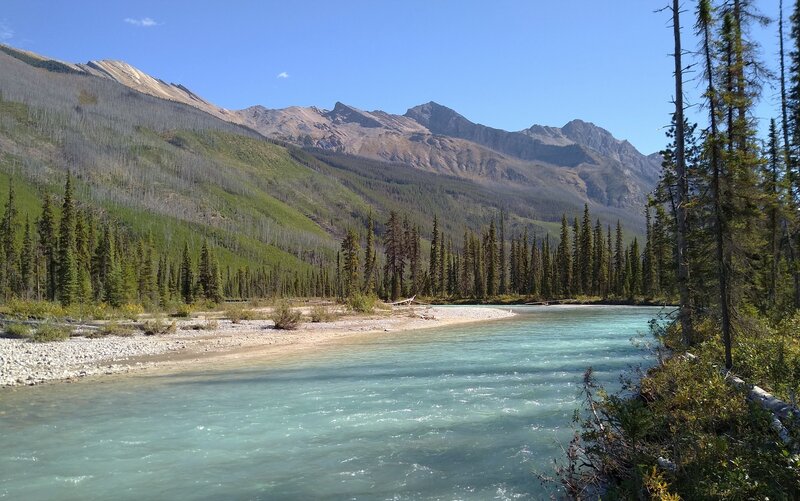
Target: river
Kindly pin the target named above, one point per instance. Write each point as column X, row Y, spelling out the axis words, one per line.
column 467, row 412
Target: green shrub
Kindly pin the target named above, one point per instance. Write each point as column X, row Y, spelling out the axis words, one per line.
column 205, row 305
column 183, row 311
column 92, row 311
column 37, row 310
column 47, row 333
column 157, row 327
column 210, row 325
column 238, row 314
column 131, row 311
column 113, row 329
column 362, row 303
column 285, row 318
column 17, row 331
column 321, row 313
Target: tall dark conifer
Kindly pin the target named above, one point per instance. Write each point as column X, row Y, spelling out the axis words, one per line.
column 67, row 259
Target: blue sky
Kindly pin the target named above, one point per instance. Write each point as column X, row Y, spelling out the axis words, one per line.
column 506, row 64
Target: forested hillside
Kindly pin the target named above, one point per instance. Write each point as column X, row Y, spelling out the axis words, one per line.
column 174, row 175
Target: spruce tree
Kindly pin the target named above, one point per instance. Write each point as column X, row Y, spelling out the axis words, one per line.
column 619, row 264
column 576, row 285
column 564, row 262
column 502, row 264
column 491, row 261
column 67, row 259
column 27, row 260
column 433, row 271
column 186, row 276
column 586, row 254
column 547, row 270
column 350, row 250
column 370, row 259
column 83, row 259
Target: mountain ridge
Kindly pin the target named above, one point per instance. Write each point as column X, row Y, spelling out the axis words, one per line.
column 563, row 175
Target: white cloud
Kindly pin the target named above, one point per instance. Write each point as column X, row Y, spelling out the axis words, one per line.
column 6, row 33
column 283, row 74
column 145, row 22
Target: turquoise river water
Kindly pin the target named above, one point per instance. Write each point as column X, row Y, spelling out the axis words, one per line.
column 470, row 412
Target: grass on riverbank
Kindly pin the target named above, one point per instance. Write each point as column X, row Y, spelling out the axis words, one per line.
column 686, row 432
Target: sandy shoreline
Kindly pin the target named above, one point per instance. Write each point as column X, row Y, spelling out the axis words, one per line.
column 25, row 363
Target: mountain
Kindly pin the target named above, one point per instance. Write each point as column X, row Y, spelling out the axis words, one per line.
column 276, row 187
column 584, row 160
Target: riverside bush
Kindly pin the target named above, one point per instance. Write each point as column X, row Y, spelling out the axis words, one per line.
column 237, row 315
column 47, row 333
column 17, row 331
column 183, row 311
column 285, row 317
column 35, row 310
column 685, row 410
column 113, row 329
column 362, row 303
column 157, row 327
column 321, row 313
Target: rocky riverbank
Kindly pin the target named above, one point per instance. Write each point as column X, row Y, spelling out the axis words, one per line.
column 26, row 363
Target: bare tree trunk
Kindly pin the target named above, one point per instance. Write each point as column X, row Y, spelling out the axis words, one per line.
column 683, row 185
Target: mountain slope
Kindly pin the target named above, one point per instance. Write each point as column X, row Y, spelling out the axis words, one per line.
column 581, row 160
column 177, row 172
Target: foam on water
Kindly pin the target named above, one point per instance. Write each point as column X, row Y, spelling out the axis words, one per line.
column 468, row 412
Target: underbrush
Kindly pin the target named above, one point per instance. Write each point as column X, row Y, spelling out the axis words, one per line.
column 238, row 314
column 48, row 333
column 362, row 303
column 112, row 329
column 687, row 433
column 50, row 310
column 285, row 317
column 157, row 327
column 321, row 313
column 17, row 331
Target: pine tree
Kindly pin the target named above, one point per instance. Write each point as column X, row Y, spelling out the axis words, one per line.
column 113, row 286
column 525, row 265
column 532, row 268
column 83, row 259
column 187, row 276
column 635, row 269
column 771, row 187
column 491, row 261
column 27, row 260
column 564, row 262
column 611, row 280
column 433, row 272
column 619, row 264
column 350, row 250
column 649, row 274
column 576, row 285
column 599, row 263
column 204, row 273
column 586, row 255
column 547, row 270
column 395, row 256
column 370, row 259
column 67, row 260
column 502, row 264
column 10, row 282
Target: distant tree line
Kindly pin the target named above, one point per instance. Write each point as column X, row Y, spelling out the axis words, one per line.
column 587, row 260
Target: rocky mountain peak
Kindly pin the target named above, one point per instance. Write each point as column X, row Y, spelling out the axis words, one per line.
column 342, row 113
